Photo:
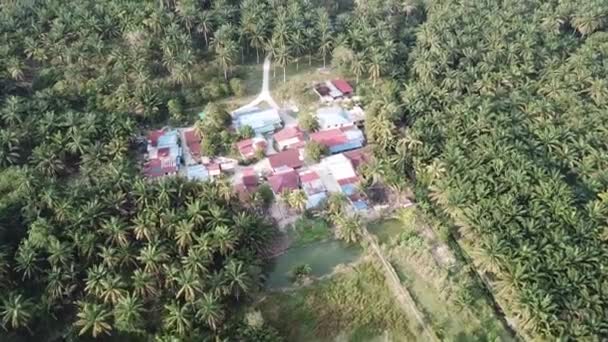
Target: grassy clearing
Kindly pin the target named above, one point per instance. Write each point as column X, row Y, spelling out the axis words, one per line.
column 352, row 306
column 309, row 230
column 458, row 310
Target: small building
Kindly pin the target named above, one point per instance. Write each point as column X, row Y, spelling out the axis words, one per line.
column 214, row 170
column 358, row 157
column 343, row 87
column 340, row 168
column 164, row 154
column 290, row 158
column 313, row 187
column 289, row 138
column 155, row 168
column 285, row 179
column 340, row 139
column 192, row 146
column 248, row 147
column 332, row 117
column 262, row 121
column 197, row 172
column 226, row 164
column 249, row 178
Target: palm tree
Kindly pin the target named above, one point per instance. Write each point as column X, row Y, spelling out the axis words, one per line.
column 297, row 200
column 357, row 66
column 189, row 285
column 178, row 318
column 112, row 288
column 144, row 284
column 116, row 232
column 205, row 25
column 128, row 314
column 237, row 279
column 151, row 256
column 225, row 239
column 16, row 311
column 325, row 33
column 282, row 56
column 209, row 310
column 93, row 318
column 298, row 45
column 184, row 234
column 349, row 229
column 27, row 260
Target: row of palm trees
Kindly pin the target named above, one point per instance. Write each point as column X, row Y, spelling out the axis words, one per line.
column 504, row 140
column 133, row 257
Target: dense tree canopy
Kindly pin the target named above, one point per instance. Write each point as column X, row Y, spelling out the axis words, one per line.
column 506, row 108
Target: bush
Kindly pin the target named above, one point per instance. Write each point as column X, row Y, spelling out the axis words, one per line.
column 315, row 151
column 238, row 87
column 266, row 194
column 308, row 122
column 246, row 132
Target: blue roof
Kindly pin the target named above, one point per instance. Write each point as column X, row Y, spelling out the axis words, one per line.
column 197, row 172
column 315, row 199
column 168, row 139
column 262, row 121
column 360, row 205
column 349, row 189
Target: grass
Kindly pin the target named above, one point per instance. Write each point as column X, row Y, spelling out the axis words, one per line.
column 352, row 306
column 309, row 230
column 458, row 310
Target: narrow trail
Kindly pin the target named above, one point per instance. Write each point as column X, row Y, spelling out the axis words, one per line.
column 401, row 293
column 264, row 95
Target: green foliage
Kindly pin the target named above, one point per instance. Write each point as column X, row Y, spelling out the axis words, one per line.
column 351, row 303
column 266, row 194
column 309, row 230
column 238, row 87
column 315, row 151
column 246, row 132
column 308, row 122
column 300, row 272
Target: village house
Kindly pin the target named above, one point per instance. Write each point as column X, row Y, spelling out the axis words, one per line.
column 192, row 147
column 164, row 154
column 262, row 121
column 334, row 90
column 332, row 117
column 248, row 147
column 285, row 179
column 197, row 172
column 339, row 139
column 342, row 170
column 289, row 138
column 289, row 158
column 313, row 187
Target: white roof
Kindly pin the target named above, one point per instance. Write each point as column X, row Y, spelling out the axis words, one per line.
column 333, row 91
column 339, row 166
column 258, row 119
column 332, row 116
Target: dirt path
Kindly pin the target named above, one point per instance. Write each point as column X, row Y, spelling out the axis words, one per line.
column 404, row 297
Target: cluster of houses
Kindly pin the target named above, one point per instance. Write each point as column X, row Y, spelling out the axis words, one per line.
column 279, row 151
column 286, row 169
column 178, row 151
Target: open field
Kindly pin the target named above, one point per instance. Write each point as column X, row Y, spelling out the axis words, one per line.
column 355, row 305
column 441, row 285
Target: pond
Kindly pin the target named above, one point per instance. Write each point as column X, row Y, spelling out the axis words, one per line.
column 322, row 258
column 386, row 230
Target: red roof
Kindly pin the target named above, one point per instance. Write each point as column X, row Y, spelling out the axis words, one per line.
column 213, row 167
column 350, row 180
column 330, row 137
column 248, row 147
column 288, row 133
column 195, row 149
column 308, row 176
column 343, row 86
column 163, row 152
column 191, row 137
column 154, row 135
column 283, row 181
column 357, row 157
column 249, row 177
column 289, row 158
column 154, row 168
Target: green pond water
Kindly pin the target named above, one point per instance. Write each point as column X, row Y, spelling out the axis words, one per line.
column 386, row 230
column 321, row 256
